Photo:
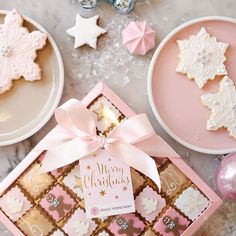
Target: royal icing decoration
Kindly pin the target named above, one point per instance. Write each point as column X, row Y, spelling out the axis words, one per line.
column 173, row 225
column 103, row 233
column 15, row 205
column 149, row 205
column 58, row 233
column 57, row 204
column 127, row 227
column 202, row 57
column 192, row 203
column 86, row 31
column 18, row 51
column 81, row 228
column 223, row 107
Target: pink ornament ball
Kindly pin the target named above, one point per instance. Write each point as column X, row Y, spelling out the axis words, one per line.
column 226, row 177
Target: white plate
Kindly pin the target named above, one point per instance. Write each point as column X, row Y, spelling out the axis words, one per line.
column 28, row 106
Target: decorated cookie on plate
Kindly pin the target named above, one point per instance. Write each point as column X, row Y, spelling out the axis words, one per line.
column 18, row 51
column 223, row 107
column 86, row 31
column 202, row 57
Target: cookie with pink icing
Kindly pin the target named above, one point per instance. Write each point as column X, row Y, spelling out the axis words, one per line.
column 18, row 49
column 79, row 224
column 149, row 204
column 126, row 225
column 171, row 223
column 57, row 203
column 138, row 37
column 14, row 203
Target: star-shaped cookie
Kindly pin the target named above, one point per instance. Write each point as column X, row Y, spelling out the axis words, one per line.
column 86, row 31
column 201, row 57
column 223, row 107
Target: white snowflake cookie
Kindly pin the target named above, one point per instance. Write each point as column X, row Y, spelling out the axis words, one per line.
column 192, row 203
column 223, row 107
column 86, row 31
column 18, row 51
column 201, row 57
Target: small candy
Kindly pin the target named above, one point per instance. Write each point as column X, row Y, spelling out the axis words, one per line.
column 138, row 37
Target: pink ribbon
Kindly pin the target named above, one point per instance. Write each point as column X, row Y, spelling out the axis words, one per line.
column 75, row 137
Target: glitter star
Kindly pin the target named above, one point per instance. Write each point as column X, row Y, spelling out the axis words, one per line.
column 202, row 57
column 86, row 31
column 78, row 182
column 223, row 107
column 102, row 193
column 100, row 112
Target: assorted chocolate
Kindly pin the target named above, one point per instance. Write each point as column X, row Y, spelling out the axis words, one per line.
column 51, row 204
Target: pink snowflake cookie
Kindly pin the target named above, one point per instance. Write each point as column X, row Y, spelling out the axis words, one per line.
column 18, row 51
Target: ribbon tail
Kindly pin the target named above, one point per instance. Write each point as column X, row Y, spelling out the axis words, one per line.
column 136, row 159
column 66, row 154
column 156, row 147
column 53, row 139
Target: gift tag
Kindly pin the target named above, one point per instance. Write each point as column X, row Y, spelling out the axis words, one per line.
column 107, row 185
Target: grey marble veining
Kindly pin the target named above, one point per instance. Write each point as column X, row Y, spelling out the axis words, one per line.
column 126, row 74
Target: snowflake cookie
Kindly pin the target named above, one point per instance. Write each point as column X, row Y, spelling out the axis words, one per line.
column 223, row 107
column 192, row 203
column 18, row 51
column 86, row 31
column 202, row 57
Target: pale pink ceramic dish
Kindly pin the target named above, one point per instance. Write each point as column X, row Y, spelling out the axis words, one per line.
column 175, row 99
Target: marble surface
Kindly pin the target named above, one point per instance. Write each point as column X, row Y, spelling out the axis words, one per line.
column 125, row 74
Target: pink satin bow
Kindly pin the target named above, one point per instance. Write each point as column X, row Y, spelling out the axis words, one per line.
column 75, row 137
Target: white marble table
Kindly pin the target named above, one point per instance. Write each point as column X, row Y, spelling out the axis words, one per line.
column 126, row 74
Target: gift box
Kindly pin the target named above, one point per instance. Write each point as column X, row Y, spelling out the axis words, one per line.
column 36, row 203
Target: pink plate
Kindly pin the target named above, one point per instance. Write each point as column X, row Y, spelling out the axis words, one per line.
column 175, row 99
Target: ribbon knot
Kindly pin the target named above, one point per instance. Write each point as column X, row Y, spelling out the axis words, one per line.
column 75, row 137
column 104, row 141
